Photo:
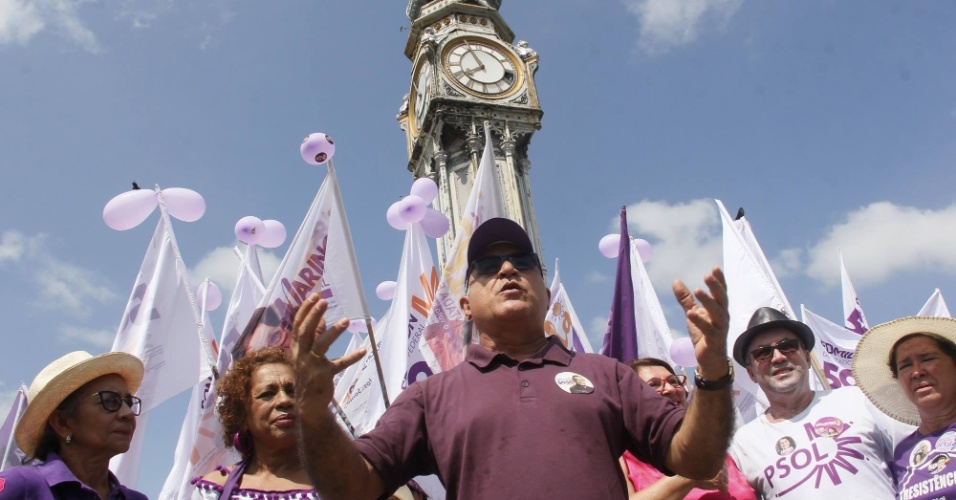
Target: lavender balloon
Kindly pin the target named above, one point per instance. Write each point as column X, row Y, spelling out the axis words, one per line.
column 127, row 210
column 386, row 290
column 682, row 352
column 274, row 234
column 250, row 230
column 425, row 188
column 209, row 293
column 434, row 223
column 643, row 248
column 610, row 245
column 411, row 208
column 317, row 148
column 394, row 217
column 184, row 204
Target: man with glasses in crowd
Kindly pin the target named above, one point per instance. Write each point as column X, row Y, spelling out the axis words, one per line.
column 841, row 443
column 510, row 420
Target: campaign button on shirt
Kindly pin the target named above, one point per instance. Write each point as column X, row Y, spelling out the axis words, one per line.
column 573, row 383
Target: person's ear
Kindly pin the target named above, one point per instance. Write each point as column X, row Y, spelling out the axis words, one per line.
column 60, row 424
column 465, row 307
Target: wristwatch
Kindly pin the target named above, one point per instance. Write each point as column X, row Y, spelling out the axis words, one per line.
column 716, row 385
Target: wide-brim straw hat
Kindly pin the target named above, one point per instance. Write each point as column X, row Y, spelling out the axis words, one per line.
column 871, row 368
column 59, row 379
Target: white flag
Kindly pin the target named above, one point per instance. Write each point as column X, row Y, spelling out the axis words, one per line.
column 397, row 334
column 751, row 285
column 320, row 259
column 10, row 454
column 200, row 447
column 653, row 335
column 834, row 348
column 935, row 306
column 444, row 335
column 161, row 327
column 561, row 319
column 853, row 317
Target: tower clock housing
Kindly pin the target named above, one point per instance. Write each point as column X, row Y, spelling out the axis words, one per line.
column 467, row 70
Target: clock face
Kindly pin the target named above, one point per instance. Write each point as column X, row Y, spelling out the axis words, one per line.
column 481, row 67
column 418, row 97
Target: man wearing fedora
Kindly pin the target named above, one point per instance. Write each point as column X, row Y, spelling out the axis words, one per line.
column 842, row 443
column 509, row 419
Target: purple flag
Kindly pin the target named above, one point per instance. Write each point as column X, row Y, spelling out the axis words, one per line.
column 620, row 340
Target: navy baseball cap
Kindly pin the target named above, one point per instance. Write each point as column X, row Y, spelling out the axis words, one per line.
column 494, row 231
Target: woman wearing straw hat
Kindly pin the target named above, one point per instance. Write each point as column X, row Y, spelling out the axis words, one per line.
column 259, row 420
column 81, row 413
column 907, row 367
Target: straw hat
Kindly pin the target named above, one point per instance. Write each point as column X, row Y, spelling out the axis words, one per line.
column 871, row 362
column 59, row 379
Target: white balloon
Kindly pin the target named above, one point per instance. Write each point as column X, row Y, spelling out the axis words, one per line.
column 425, row 188
column 184, row 204
column 274, row 234
column 127, row 210
column 610, row 245
column 386, row 290
column 211, row 294
column 250, row 230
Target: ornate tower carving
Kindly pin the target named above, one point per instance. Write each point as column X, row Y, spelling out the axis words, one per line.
column 465, row 70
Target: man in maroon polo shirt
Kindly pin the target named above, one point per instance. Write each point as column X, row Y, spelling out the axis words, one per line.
column 521, row 412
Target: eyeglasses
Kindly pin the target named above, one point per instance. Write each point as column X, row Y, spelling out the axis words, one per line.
column 491, row 264
column 112, row 402
column 765, row 352
column 676, row 381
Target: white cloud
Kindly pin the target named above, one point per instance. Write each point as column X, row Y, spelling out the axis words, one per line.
column 664, row 24
column 20, row 21
column 61, row 284
column 100, row 340
column 597, row 277
column 685, row 239
column 12, row 244
column 882, row 239
column 221, row 266
column 67, row 285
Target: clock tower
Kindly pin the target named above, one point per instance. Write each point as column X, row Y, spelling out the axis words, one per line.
column 465, row 71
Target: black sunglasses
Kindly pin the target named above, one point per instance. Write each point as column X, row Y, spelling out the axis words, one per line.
column 765, row 352
column 491, row 264
column 112, row 402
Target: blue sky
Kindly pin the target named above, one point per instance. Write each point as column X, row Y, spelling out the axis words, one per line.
column 831, row 122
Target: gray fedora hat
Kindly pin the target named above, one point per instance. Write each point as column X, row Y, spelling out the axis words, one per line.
column 767, row 318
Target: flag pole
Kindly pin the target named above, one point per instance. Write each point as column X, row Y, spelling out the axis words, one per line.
column 358, row 281
column 181, row 269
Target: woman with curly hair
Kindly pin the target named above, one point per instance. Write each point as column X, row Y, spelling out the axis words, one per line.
column 258, row 415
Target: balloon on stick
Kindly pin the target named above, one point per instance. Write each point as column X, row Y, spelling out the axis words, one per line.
column 682, row 352
column 184, row 204
column 386, row 290
column 209, row 293
column 425, row 188
column 317, row 148
column 274, row 234
column 127, row 210
column 610, row 245
column 250, row 230
column 434, row 223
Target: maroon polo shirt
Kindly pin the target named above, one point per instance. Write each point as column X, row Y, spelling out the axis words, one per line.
column 495, row 428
